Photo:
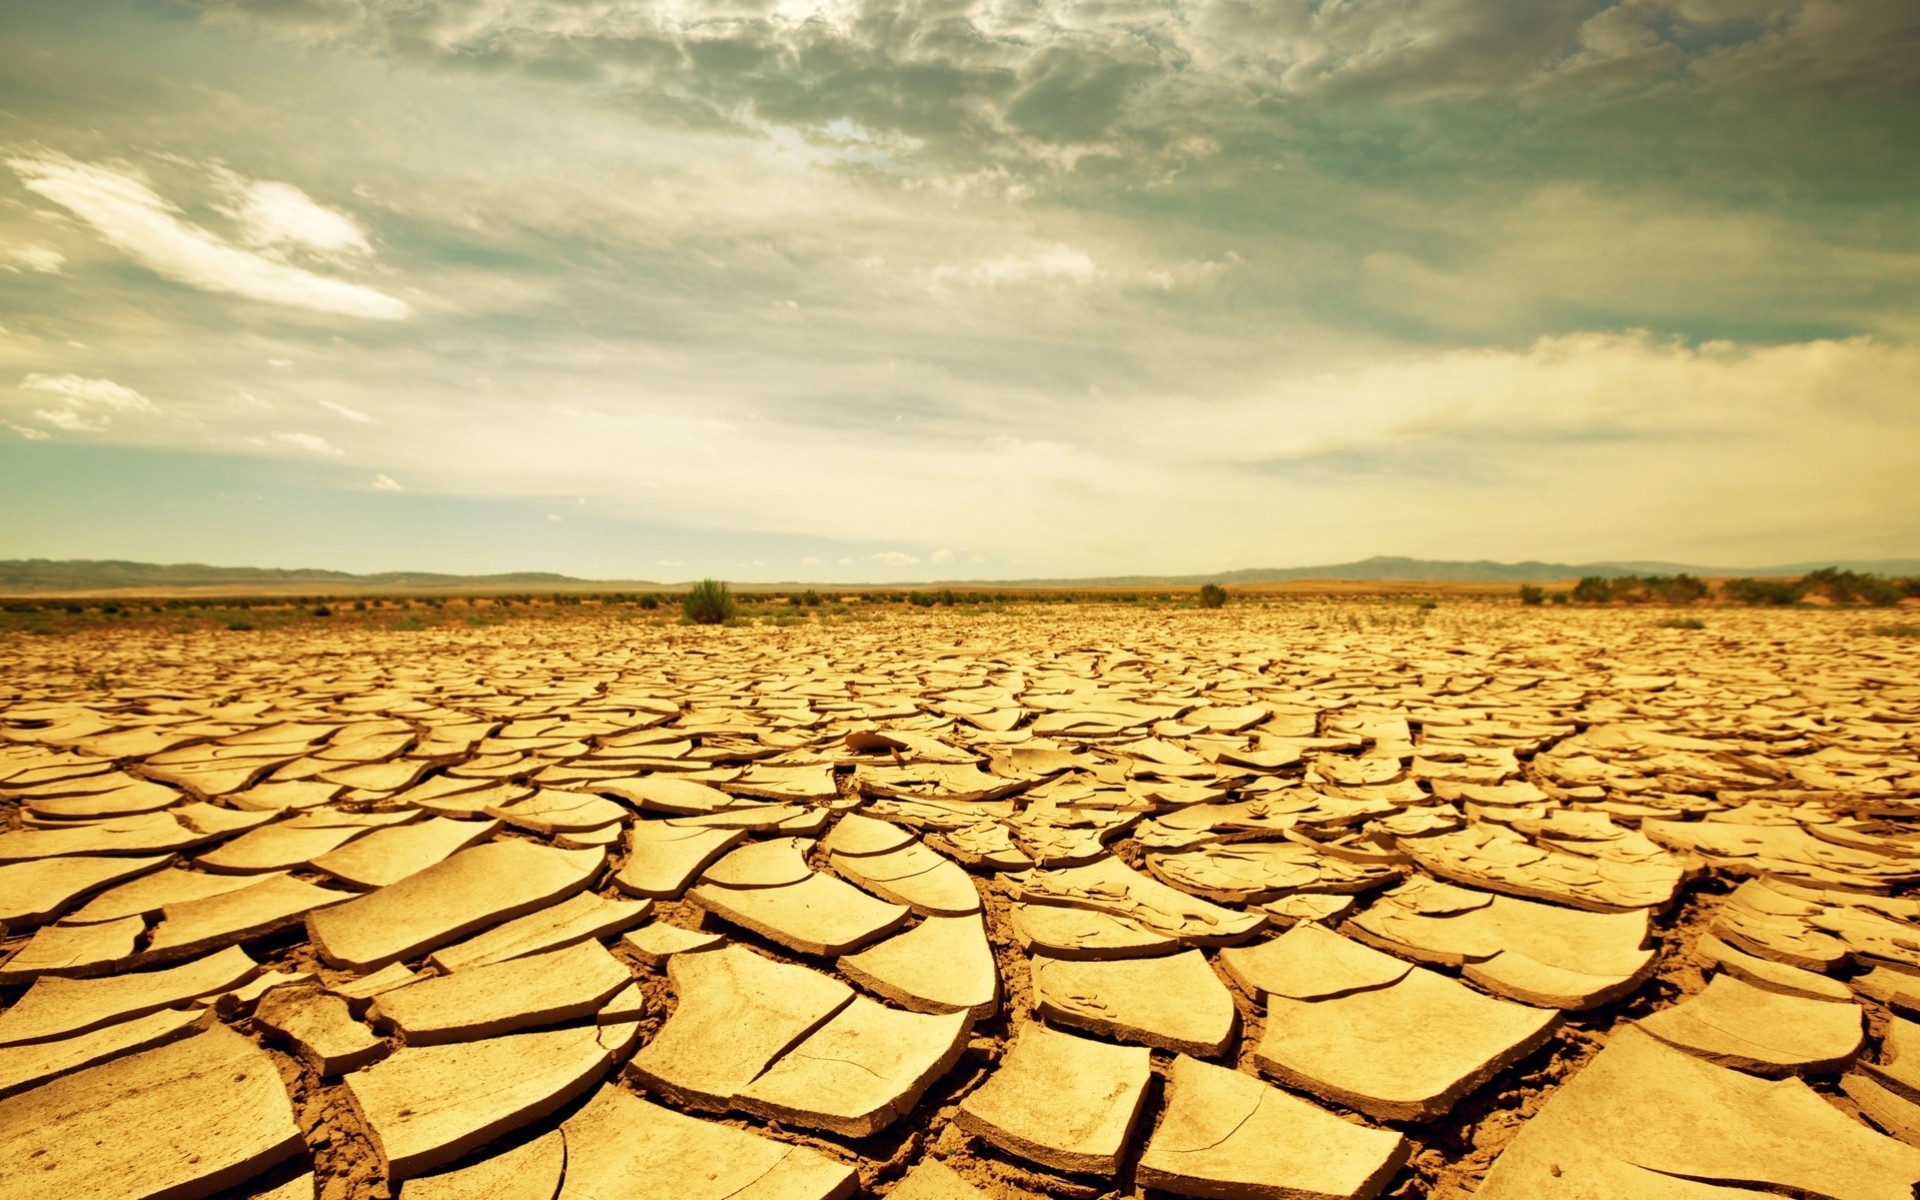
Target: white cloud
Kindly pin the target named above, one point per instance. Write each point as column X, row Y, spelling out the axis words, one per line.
column 44, row 259
column 942, row 557
column 28, row 432
column 672, row 562
column 554, row 518
column 846, row 562
column 275, row 216
column 386, row 483
column 351, row 414
column 81, row 401
column 1053, row 264
column 894, row 558
column 72, row 421
column 809, row 561
column 133, row 217
column 77, row 391
column 309, row 441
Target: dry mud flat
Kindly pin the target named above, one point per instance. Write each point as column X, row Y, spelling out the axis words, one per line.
column 1299, row 902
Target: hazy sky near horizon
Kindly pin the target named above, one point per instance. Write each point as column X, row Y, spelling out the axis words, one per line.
column 874, row 290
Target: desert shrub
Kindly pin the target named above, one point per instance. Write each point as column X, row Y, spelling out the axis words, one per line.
column 1761, row 592
column 1532, row 594
column 1594, row 589
column 20, row 606
column 1851, row 587
column 1683, row 623
column 239, row 625
column 922, row 599
column 794, row 601
column 649, row 602
column 1680, row 589
column 708, row 602
column 1428, row 604
column 1558, row 597
column 947, row 598
column 1212, row 595
column 321, row 610
column 1899, row 631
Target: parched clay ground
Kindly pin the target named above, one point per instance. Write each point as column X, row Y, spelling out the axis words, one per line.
column 1315, row 900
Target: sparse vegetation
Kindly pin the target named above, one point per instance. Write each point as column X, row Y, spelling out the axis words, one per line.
column 1760, row 593
column 709, row 602
column 1532, row 594
column 1683, row 623
column 1898, row 631
column 1212, row 595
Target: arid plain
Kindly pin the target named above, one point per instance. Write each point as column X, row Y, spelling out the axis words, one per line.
column 1309, row 898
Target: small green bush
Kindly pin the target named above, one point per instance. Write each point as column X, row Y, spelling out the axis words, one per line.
column 321, row 610
column 649, row 602
column 1899, row 631
column 1761, row 592
column 239, row 626
column 922, row 599
column 1532, row 594
column 810, row 598
column 1428, row 604
column 1212, row 595
column 708, row 602
column 1594, row 589
column 1683, row 623
column 1559, row 597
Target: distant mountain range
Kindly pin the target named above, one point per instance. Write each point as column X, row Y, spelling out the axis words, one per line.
column 86, row 575
column 18, row 576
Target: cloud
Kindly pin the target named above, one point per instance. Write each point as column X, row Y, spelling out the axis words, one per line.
column 309, row 441
column 554, row 518
column 279, row 217
column 44, row 259
column 82, row 401
column 351, row 414
column 28, row 432
column 672, row 562
column 1052, row 264
column 131, row 216
column 1052, row 83
column 77, row 391
column 942, row 557
column 73, row 422
column 385, row 483
column 894, row 558
column 809, row 561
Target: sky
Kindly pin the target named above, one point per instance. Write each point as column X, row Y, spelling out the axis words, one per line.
column 886, row 290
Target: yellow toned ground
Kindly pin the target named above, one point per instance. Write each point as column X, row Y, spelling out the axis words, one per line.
column 1317, row 898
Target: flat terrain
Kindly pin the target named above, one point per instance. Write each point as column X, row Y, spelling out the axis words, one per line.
column 1308, row 898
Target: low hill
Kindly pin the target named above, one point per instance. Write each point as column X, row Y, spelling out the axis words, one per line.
column 39, row 575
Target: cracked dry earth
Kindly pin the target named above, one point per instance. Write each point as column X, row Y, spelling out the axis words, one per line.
column 1273, row 902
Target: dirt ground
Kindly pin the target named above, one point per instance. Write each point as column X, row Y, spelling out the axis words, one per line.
column 1380, row 732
